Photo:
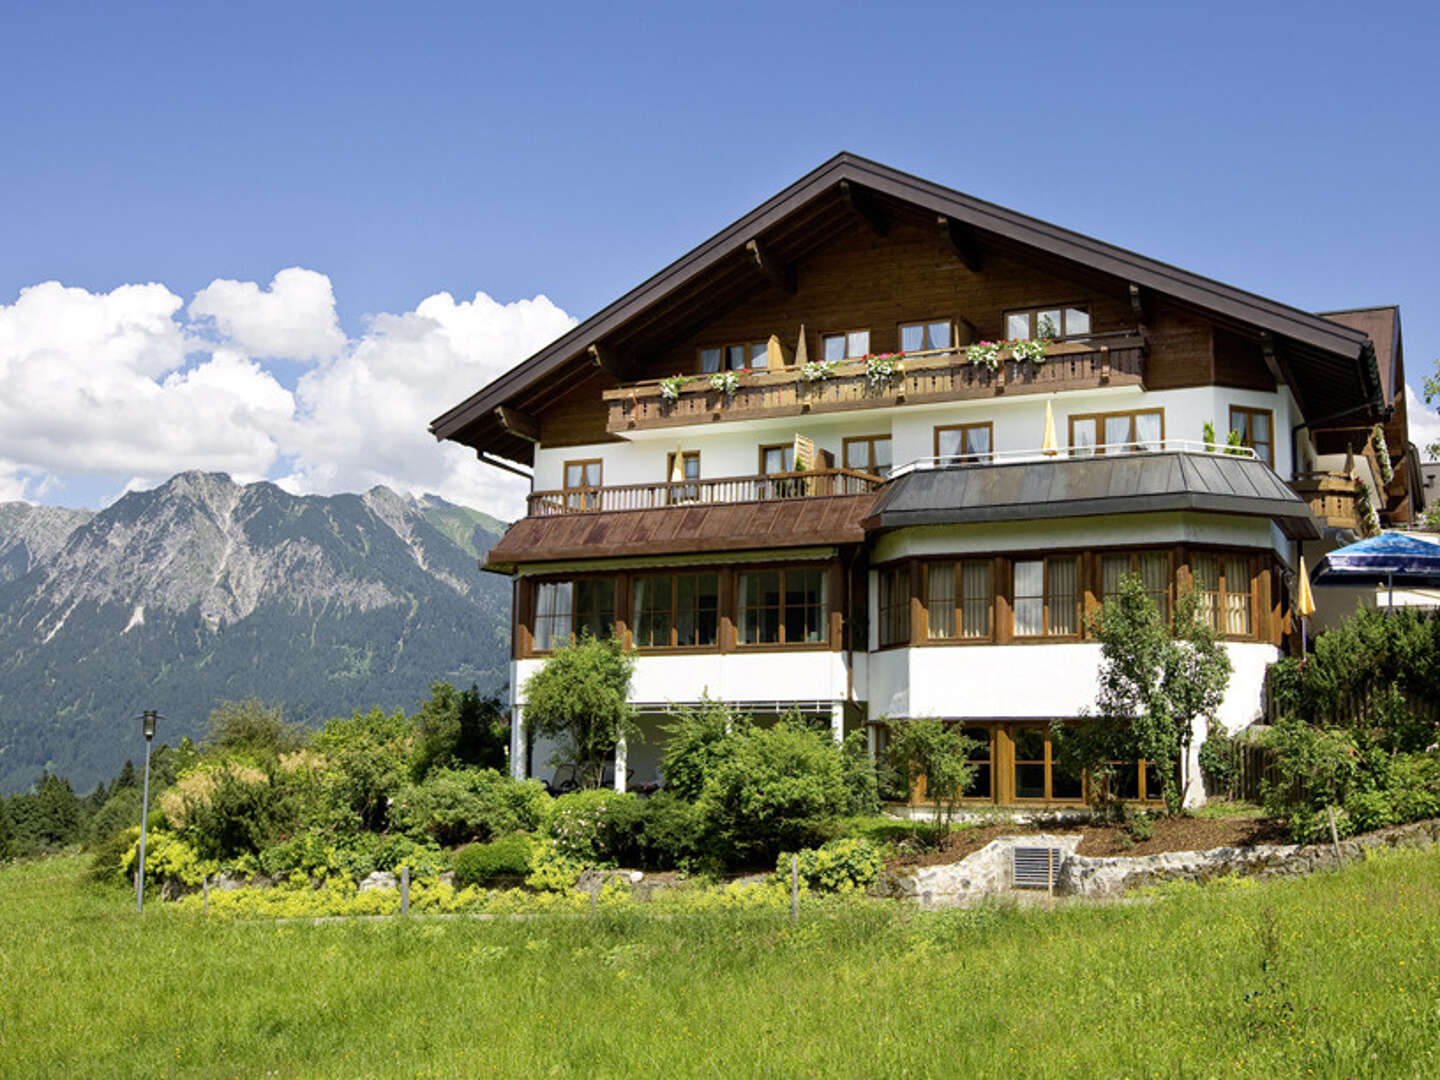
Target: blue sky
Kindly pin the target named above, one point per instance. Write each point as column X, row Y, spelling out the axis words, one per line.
column 571, row 150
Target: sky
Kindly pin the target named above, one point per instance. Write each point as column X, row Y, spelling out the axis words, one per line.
column 278, row 239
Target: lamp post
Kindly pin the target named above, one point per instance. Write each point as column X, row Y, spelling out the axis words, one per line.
column 147, row 725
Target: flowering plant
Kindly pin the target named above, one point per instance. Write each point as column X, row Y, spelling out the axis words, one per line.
column 670, row 388
column 1032, row 349
column 984, row 352
column 727, row 381
column 1382, row 454
column 879, row 370
column 816, row 370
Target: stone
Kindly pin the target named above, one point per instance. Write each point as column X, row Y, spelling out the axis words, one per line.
column 380, row 879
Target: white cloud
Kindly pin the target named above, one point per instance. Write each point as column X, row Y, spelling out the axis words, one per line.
column 99, row 384
column 1423, row 420
column 295, row 318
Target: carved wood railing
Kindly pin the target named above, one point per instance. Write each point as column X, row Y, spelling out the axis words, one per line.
column 1333, row 497
column 724, row 489
column 1116, row 359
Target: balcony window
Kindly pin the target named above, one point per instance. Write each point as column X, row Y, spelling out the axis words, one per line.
column 684, row 489
column 1052, row 322
column 1222, row 587
column 1037, row 775
column 1047, row 602
column 582, row 484
column 733, row 357
column 850, row 345
column 1153, row 568
column 564, row 609
column 1093, row 433
column 894, row 605
column 924, row 336
column 779, row 458
column 782, row 607
column 959, row 600
column 1255, row 427
column 961, row 444
column 868, row 454
column 675, row 610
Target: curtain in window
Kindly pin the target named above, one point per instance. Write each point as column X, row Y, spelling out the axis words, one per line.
column 1082, row 438
column 552, row 614
column 1117, row 431
column 940, row 603
column 1147, row 430
column 975, row 615
column 1064, row 616
column 652, row 611
column 1205, row 570
column 1237, row 595
column 1112, row 569
column 1029, row 597
column 1155, row 574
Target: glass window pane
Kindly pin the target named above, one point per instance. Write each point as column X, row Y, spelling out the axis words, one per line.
column 1117, row 431
column 1147, row 429
column 1017, row 326
column 912, row 338
column 975, row 585
column 736, row 357
column 759, row 355
column 1077, row 321
column 1155, row 573
column 1064, row 615
column 1260, row 426
column 1237, row 595
column 552, row 614
column 1082, row 437
column 881, row 461
column 1065, row 784
column 709, row 361
column 857, row 454
column 857, row 343
column 977, row 440
column 1047, row 323
column 834, row 347
column 948, row 441
column 1112, row 569
column 939, row 334
column 940, row 602
column 1029, row 597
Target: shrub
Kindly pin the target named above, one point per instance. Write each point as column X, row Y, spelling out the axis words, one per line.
column 108, row 855
column 1370, row 810
column 552, row 869
column 779, row 788
column 120, row 812
column 842, row 865
column 368, row 764
column 252, row 730
column 458, row 728
column 453, row 806
column 167, row 858
column 479, row 864
column 671, row 830
column 597, row 827
column 227, row 811
column 862, row 781
column 938, row 752
column 1321, row 764
column 697, row 740
column 1415, row 786
column 580, row 699
column 1216, row 763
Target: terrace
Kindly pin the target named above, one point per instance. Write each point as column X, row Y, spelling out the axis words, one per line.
column 1114, row 359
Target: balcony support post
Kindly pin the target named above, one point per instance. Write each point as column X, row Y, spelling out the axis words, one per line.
column 621, row 763
column 837, row 721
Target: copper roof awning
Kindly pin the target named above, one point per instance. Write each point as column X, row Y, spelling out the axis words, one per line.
column 677, row 530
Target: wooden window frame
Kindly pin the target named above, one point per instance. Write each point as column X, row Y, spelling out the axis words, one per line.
column 586, row 496
column 958, row 563
column 1046, row 634
column 1169, row 551
column 871, row 440
column 1033, row 312
column 763, row 448
column 824, row 569
column 1222, row 589
column 847, row 358
column 925, row 324
column 895, row 615
column 964, row 458
column 1246, row 433
column 748, row 346
column 689, row 488
column 574, row 580
column 674, row 577
column 1100, row 419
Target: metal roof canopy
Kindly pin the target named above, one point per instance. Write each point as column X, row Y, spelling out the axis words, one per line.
column 1083, row 487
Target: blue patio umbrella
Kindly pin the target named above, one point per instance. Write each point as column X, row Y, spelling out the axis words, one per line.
column 1390, row 559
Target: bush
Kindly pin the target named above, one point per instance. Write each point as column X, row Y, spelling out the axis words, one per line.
column 1216, row 763
column 1415, row 786
column 453, row 806
column 120, row 812
column 597, row 827
column 842, row 865
column 696, row 741
column 167, row 858
column 228, row 811
column 862, row 780
column 671, row 829
column 479, row 864
column 1370, row 810
column 108, row 856
column 779, row 788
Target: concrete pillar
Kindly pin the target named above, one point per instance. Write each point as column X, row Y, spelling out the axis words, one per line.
column 517, row 742
column 872, row 740
column 837, row 721
column 621, row 766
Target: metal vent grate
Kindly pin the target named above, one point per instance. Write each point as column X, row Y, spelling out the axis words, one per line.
column 1036, row 867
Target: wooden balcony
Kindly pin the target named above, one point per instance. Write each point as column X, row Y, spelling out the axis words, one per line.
column 774, row 487
column 944, row 375
column 1333, row 498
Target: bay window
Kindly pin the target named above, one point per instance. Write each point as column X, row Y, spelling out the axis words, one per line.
column 959, row 600
column 566, row 609
column 783, row 607
column 1047, row 599
column 675, row 610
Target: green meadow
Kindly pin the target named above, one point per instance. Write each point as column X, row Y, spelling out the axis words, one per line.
column 1336, row 975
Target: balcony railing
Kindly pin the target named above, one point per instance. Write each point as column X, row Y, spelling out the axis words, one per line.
column 1020, row 457
column 725, row 489
column 1115, row 359
column 1334, row 498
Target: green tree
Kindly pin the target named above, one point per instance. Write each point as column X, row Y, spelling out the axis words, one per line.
column 938, row 752
column 459, row 728
column 7, row 833
column 1432, row 391
column 1155, row 684
column 251, row 729
column 580, row 699
column 697, row 739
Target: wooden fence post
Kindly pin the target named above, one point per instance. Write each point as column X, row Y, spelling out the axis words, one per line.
column 404, row 890
column 794, row 888
column 205, row 886
column 1334, row 832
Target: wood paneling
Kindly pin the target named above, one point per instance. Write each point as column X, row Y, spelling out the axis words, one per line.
column 578, row 417
column 1180, row 351
column 1239, row 362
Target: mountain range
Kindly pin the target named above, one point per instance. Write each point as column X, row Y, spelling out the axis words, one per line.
column 204, row 590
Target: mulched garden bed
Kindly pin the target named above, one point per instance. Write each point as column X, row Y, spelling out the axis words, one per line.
column 1171, row 834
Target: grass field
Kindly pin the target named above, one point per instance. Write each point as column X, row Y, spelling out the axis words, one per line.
column 1336, row 975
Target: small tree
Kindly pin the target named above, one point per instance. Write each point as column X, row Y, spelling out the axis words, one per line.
column 580, row 698
column 930, row 748
column 458, row 728
column 253, row 730
column 697, row 740
column 1154, row 685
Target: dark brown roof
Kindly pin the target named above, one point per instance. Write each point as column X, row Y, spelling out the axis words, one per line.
column 1331, row 358
column 1382, row 326
column 679, row 531
column 1085, row 487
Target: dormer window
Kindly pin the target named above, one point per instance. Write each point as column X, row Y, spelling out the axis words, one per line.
column 850, row 345
column 925, row 336
column 732, row 357
column 1049, row 322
